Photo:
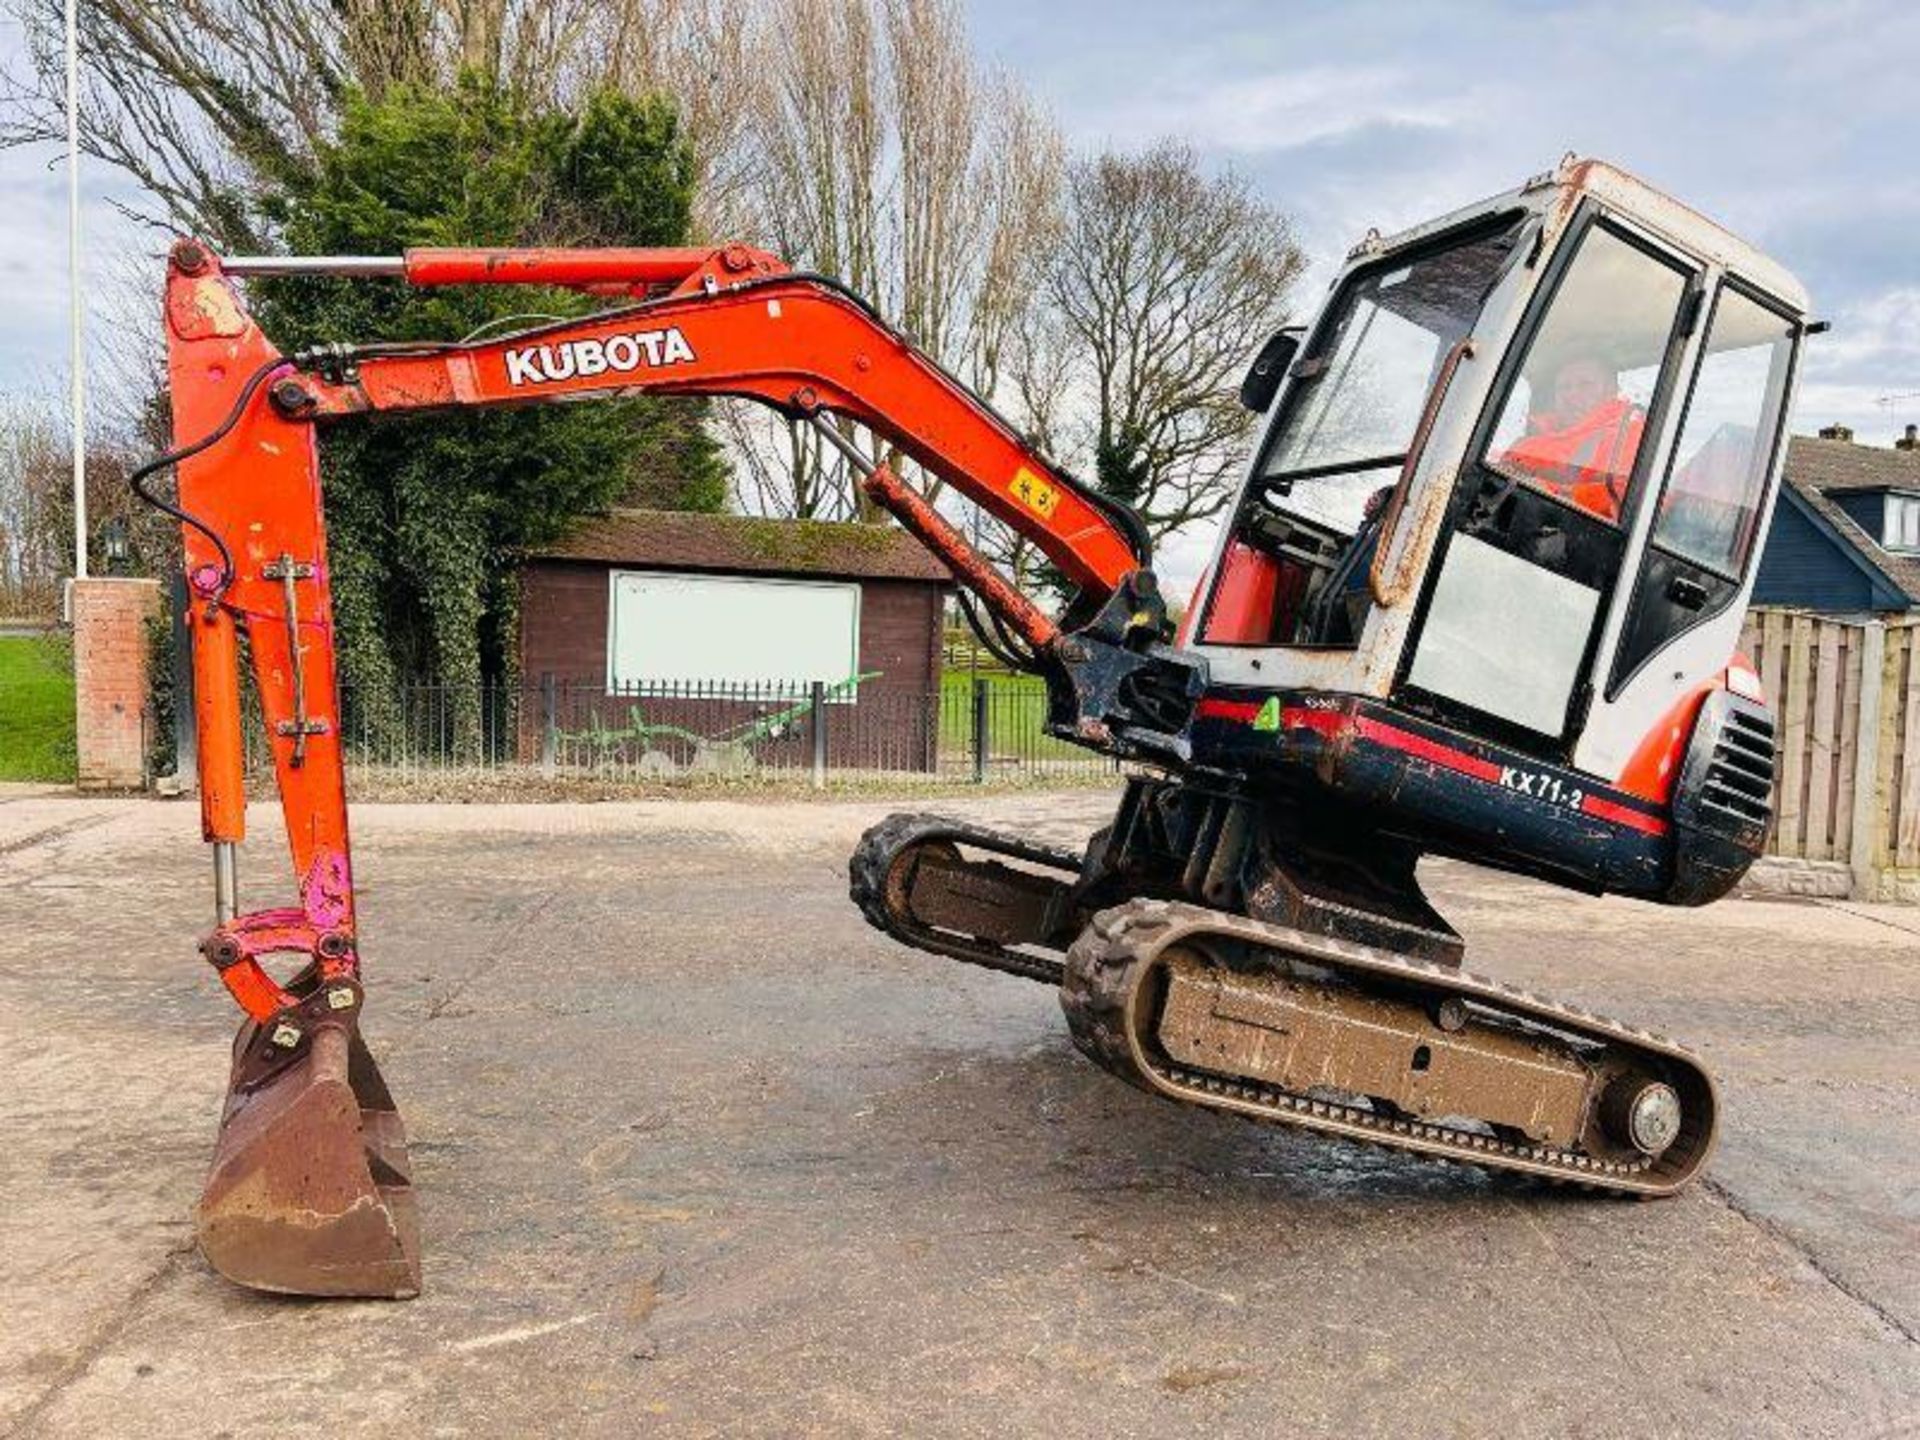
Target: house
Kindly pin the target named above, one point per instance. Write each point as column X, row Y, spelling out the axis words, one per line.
column 703, row 635
column 1846, row 535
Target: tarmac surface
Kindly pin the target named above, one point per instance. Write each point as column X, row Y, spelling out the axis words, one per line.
column 700, row 1154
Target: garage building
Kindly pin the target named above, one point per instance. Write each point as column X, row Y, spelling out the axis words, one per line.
column 715, row 622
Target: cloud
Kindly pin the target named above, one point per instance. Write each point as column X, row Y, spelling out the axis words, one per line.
column 1744, row 31
column 33, row 271
column 1278, row 111
column 1792, row 123
column 1848, row 246
column 1865, row 373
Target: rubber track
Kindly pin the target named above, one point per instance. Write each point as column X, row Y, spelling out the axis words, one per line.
column 1102, row 966
column 1114, row 954
column 889, row 844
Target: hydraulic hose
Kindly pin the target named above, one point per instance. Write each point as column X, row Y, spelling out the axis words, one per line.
column 137, row 481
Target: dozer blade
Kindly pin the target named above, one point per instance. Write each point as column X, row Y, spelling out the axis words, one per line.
column 311, row 1192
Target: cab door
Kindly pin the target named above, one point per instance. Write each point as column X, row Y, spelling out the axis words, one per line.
column 1537, row 535
column 1683, row 614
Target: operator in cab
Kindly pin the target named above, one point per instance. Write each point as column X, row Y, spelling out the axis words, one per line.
column 1581, row 446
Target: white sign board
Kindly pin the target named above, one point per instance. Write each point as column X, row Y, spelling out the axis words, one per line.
column 734, row 630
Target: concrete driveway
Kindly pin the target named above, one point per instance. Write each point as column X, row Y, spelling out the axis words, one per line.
column 701, row 1154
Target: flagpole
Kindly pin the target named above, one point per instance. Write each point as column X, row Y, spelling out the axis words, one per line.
column 77, row 340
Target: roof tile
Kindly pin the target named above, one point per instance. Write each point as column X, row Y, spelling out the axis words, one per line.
column 1843, row 465
column 685, row 540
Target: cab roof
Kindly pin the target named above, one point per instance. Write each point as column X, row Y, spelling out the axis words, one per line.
column 1557, row 193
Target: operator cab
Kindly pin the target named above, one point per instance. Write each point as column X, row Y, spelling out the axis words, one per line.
column 1516, row 477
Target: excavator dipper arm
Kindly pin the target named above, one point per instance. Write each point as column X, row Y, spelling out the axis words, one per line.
column 731, row 321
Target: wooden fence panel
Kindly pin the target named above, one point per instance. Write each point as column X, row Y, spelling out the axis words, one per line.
column 1823, row 741
column 1893, row 688
column 1809, row 667
column 1846, row 754
column 1794, row 703
column 1905, row 827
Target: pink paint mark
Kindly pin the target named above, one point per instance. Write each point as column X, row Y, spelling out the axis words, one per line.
column 328, row 891
column 268, row 932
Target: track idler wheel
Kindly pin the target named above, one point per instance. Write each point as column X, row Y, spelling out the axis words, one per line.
column 1638, row 1111
column 311, row 1191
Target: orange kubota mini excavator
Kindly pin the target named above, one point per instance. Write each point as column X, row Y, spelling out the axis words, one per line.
column 1480, row 597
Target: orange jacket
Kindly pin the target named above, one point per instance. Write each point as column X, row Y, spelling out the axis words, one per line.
column 1589, row 462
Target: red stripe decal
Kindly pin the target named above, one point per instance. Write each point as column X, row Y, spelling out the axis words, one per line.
column 1212, row 709
column 1622, row 815
column 1431, row 750
column 1330, row 722
column 1321, row 722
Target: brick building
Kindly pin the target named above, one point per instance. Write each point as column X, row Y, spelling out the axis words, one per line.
column 683, row 627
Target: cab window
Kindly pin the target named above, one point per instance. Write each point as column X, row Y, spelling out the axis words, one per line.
column 1703, row 531
column 1711, row 507
column 1295, row 567
column 1572, row 424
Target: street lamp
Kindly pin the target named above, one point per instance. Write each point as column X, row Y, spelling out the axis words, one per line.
column 113, row 545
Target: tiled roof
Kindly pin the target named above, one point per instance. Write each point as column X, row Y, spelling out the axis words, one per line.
column 1843, row 465
column 682, row 540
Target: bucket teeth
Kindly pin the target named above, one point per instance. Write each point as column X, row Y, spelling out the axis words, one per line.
column 311, row 1190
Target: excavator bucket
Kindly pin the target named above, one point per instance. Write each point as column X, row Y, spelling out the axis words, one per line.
column 311, row 1192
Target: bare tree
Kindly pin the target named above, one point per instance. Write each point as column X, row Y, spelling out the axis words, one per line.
column 889, row 158
column 1104, row 306
column 934, row 97
column 36, row 505
column 1019, row 195
column 197, row 98
column 1163, row 283
column 190, row 99
column 33, row 549
column 713, row 59
column 857, row 137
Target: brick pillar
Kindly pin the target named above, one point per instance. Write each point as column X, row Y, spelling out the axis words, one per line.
column 110, row 679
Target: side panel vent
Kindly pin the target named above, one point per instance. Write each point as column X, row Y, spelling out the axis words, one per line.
column 1724, row 801
column 1738, row 782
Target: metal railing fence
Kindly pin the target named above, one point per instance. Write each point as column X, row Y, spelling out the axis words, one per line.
column 990, row 728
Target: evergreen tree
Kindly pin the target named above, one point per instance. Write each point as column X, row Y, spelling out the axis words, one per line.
column 428, row 513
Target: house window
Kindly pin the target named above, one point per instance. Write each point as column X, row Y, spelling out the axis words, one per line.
column 1903, row 523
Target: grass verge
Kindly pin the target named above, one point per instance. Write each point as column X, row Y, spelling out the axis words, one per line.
column 36, row 708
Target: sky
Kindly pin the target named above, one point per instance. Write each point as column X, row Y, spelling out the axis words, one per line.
column 1795, row 125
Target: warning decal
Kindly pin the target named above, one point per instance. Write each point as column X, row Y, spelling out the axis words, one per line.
column 1034, row 493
